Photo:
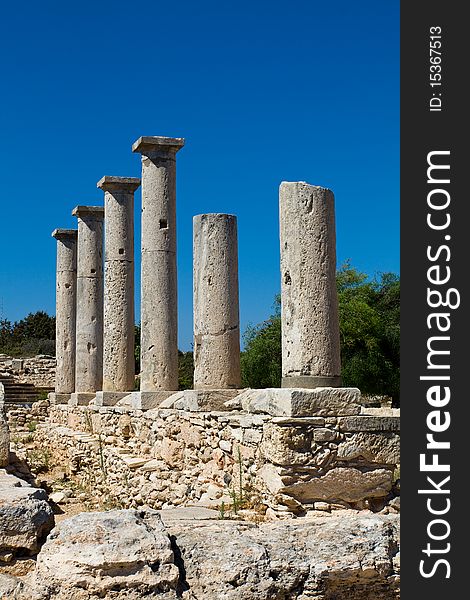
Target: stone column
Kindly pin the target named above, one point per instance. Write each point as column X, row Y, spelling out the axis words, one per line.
column 118, row 340
column 310, row 323
column 216, row 311
column 89, row 359
column 66, row 307
column 159, row 326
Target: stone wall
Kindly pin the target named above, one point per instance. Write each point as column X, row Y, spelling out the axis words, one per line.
column 284, row 465
column 25, row 418
column 37, row 370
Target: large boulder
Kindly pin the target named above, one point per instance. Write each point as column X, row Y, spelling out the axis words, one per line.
column 127, row 555
column 349, row 556
column 25, row 515
column 94, row 554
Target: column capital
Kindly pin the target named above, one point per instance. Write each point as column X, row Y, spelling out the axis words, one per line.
column 81, row 211
column 65, row 234
column 125, row 184
column 149, row 144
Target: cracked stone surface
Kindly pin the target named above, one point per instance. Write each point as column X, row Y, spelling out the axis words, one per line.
column 130, row 554
column 66, row 312
column 310, row 322
column 159, row 326
column 216, row 305
column 89, row 337
column 118, row 342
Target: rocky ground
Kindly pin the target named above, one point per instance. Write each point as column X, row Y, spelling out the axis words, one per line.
column 62, row 542
column 181, row 553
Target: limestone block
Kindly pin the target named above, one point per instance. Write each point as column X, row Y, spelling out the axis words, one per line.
column 171, row 451
column 323, row 434
column 105, row 398
column 286, row 445
column 58, row 398
column 310, row 322
column 293, row 402
column 369, row 423
column 25, row 515
column 13, row 587
column 271, row 478
column 149, row 400
column 348, row 485
column 381, row 448
column 204, row 400
column 347, row 557
column 126, row 549
column 81, row 398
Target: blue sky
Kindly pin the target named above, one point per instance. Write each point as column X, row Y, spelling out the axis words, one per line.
column 263, row 91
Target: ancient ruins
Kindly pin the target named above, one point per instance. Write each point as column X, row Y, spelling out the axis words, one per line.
column 309, row 441
column 308, row 448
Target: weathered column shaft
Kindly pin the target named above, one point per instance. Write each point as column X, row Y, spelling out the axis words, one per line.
column 216, row 307
column 119, row 322
column 159, row 316
column 89, row 358
column 66, row 303
column 310, row 323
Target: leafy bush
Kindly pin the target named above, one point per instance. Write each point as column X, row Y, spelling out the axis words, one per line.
column 369, row 315
column 35, row 334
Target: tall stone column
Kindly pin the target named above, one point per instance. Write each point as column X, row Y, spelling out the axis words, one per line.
column 89, row 358
column 118, row 340
column 159, row 318
column 66, row 302
column 310, row 323
column 216, row 307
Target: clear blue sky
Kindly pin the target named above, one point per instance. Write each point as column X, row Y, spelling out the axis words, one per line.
column 263, row 91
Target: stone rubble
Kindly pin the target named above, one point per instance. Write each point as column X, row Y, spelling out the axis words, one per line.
column 38, row 370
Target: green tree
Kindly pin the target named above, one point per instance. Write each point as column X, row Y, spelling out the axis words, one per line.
column 38, row 325
column 261, row 359
column 369, row 314
column 369, row 317
column 35, row 334
column 185, row 370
